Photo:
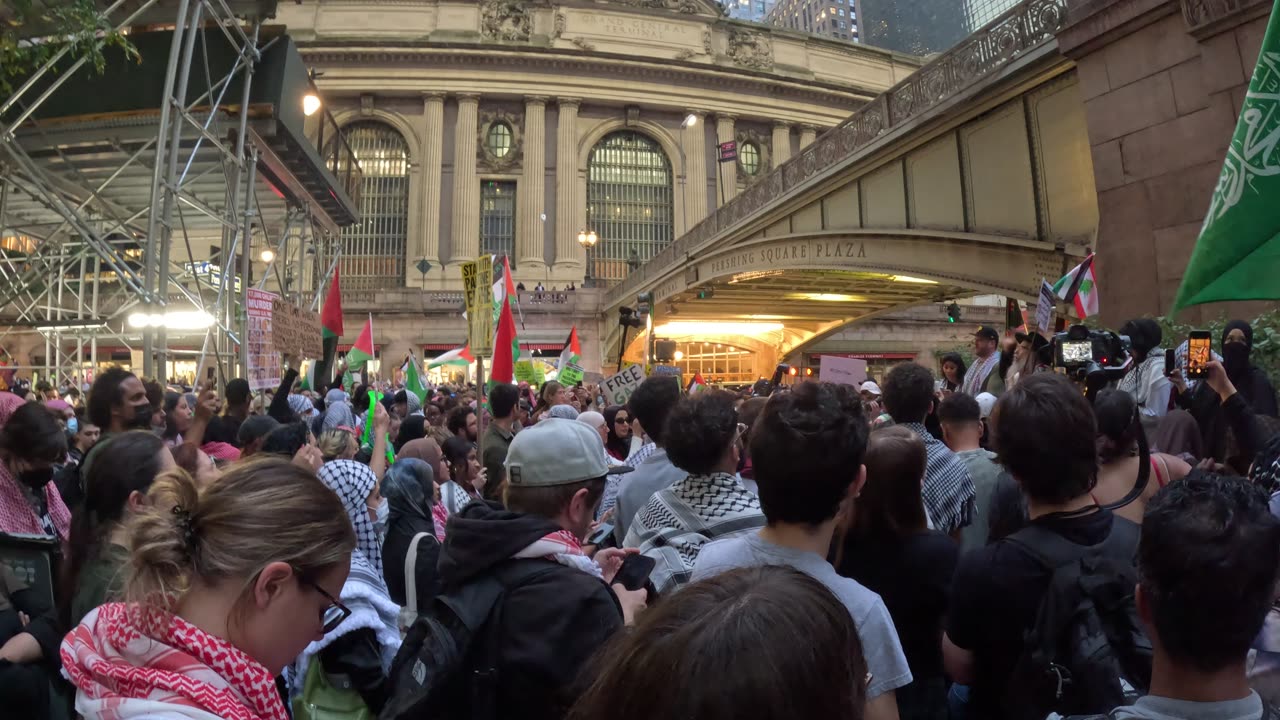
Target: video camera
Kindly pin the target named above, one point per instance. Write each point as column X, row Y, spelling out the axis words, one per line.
column 1092, row 357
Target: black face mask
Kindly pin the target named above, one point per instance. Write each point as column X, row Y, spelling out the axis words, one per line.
column 142, row 417
column 36, row 479
column 1235, row 358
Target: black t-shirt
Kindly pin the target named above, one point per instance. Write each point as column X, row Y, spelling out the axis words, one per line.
column 224, row 428
column 995, row 597
column 913, row 577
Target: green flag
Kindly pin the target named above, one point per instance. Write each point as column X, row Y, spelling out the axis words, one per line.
column 412, row 382
column 1237, row 256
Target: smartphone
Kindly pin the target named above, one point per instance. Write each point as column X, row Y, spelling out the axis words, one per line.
column 208, row 374
column 634, row 572
column 1170, row 361
column 1198, row 354
column 602, row 533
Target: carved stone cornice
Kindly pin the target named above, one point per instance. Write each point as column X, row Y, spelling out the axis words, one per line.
column 576, row 102
column 536, row 99
column 1206, row 18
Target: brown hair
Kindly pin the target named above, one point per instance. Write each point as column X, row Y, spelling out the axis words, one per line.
column 550, row 500
column 890, row 503
column 768, row 643
column 262, row 511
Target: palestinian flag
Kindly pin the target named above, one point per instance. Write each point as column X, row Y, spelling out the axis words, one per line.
column 457, row 356
column 504, row 292
column 1080, row 286
column 572, row 352
column 697, row 384
column 413, row 381
column 362, row 351
column 331, row 321
column 506, row 348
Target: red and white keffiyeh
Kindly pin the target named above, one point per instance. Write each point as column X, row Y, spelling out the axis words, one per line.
column 17, row 515
column 175, row 670
column 562, row 547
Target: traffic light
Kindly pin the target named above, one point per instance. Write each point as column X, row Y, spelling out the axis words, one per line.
column 953, row 313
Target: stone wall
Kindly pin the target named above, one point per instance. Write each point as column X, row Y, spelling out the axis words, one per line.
column 1163, row 85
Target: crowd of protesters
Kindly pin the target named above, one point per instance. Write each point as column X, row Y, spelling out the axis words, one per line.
column 987, row 542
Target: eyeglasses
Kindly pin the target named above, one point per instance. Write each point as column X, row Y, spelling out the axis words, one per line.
column 621, row 421
column 332, row 615
column 742, row 430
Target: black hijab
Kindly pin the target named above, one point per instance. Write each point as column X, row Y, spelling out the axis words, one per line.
column 409, row 487
column 618, row 447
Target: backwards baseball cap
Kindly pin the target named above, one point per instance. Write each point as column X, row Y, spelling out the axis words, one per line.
column 555, row 452
column 987, row 332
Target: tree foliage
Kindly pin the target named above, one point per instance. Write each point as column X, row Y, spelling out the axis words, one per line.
column 31, row 34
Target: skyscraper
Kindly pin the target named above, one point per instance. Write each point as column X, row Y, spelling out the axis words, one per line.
column 917, row 27
column 752, row 10
column 837, row 19
column 980, row 12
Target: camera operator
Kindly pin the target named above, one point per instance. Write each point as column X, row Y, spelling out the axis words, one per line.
column 1146, row 380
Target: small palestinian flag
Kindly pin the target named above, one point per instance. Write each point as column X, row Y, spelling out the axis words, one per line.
column 572, row 353
column 362, row 351
column 697, row 384
column 457, row 356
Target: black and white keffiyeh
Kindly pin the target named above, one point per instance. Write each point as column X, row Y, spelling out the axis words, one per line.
column 679, row 520
column 352, row 482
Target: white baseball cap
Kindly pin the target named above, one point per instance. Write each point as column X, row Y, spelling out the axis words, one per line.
column 870, row 387
column 986, row 403
column 555, row 452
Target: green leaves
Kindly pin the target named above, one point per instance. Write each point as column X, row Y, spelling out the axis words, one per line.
column 25, row 44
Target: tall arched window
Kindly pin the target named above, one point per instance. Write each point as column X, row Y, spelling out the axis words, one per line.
column 374, row 249
column 629, row 204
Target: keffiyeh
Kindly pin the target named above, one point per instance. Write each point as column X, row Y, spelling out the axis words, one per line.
column 173, row 670
column 563, row 548
column 17, row 516
column 337, row 411
column 301, row 405
column 352, row 482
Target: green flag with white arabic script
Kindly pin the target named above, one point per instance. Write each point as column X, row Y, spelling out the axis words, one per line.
column 1237, row 256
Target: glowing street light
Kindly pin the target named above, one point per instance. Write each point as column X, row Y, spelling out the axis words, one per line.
column 268, row 255
column 310, row 104
column 689, row 121
column 588, row 238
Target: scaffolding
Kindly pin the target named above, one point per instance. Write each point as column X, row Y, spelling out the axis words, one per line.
column 101, row 212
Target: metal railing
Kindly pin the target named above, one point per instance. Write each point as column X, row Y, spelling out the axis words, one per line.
column 981, row 55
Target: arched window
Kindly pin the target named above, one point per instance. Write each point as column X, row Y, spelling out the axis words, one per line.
column 374, row 249
column 629, row 204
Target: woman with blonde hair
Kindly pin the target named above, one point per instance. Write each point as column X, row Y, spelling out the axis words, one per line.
column 227, row 584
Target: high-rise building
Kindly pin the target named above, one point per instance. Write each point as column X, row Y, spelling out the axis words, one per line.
column 980, row 12
column 837, row 19
column 916, row 27
column 752, row 10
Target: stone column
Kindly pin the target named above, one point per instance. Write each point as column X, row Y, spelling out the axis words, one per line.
column 727, row 187
column 695, row 161
column 569, row 254
column 432, row 158
column 466, row 185
column 531, row 197
column 808, row 134
column 781, row 143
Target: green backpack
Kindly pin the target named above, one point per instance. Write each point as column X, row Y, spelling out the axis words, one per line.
column 320, row 700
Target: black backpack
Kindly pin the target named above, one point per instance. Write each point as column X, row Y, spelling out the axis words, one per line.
column 1086, row 637
column 447, row 666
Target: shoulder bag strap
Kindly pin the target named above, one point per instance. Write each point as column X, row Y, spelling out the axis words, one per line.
column 411, row 573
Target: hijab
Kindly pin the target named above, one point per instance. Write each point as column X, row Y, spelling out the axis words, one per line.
column 412, row 428
column 409, row 488
column 352, row 482
column 424, row 449
column 337, row 411
column 617, row 447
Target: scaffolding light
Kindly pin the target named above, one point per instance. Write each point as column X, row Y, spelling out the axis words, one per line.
column 268, row 255
column 310, row 104
column 681, row 328
column 179, row 320
column 690, row 120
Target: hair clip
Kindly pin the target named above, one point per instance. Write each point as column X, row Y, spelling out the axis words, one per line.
column 182, row 517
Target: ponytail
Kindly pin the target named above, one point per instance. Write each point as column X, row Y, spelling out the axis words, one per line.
column 165, row 540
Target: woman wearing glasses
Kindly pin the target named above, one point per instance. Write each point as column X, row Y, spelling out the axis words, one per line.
column 362, row 648
column 226, row 585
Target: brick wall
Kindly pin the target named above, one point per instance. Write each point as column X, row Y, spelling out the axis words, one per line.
column 1161, row 103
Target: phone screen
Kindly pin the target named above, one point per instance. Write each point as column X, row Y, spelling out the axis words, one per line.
column 634, row 572
column 1198, row 355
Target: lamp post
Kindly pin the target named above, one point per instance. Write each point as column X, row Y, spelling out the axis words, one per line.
column 690, row 120
column 587, row 239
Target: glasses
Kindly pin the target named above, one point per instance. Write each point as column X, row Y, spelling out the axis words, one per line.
column 621, row 421
column 742, row 430
column 332, row 615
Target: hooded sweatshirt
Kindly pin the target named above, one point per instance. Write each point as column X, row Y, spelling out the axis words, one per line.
column 551, row 624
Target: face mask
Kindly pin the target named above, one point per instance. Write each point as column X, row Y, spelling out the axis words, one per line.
column 36, row 479
column 1235, row 357
column 142, row 417
column 73, row 426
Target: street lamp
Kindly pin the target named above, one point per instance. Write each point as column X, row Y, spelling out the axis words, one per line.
column 689, row 121
column 310, row 104
column 268, row 255
column 587, row 238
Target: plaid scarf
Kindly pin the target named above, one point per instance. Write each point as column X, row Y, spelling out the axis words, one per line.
column 17, row 514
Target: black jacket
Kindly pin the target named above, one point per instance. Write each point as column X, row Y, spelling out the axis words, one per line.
column 551, row 625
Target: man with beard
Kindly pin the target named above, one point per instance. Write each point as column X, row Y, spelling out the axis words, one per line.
column 117, row 403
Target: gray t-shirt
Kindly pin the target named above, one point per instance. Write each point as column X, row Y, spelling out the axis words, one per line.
column 984, row 471
column 883, row 653
column 1162, row 708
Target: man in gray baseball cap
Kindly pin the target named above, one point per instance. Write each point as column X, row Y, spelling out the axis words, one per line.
column 559, row 607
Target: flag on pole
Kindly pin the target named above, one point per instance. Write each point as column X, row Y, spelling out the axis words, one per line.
column 1080, row 287
column 1237, row 256
column 697, row 384
column 331, row 323
column 362, row 351
column 572, row 352
column 504, row 291
column 457, row 356
column 506, row 348
column 413, row 381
